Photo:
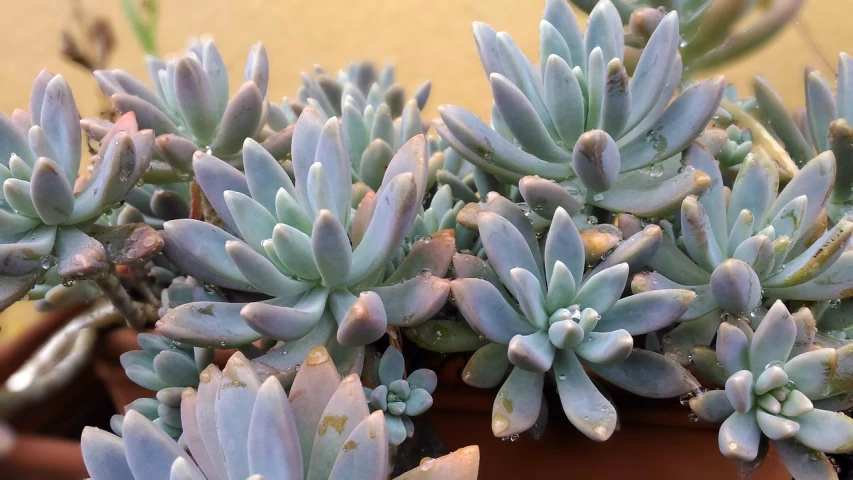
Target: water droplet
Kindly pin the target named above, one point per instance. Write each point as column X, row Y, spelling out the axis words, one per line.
column 47, row 261
column 834, row 303
column 428, row 465
column 732, row 445
column 690, row 359
column 586, row 417
column 141, row 182
column 685, row 399
column 693, row 417
column 562, row 377
column 426, row 238
column 426, row 273
column 513, row 438
column 777, row 363
column 656, row 171
column 604, row 408
column 25, row 297
column 298, row 366
column 814, row 455
column 377, row 355
column 68, row 282
column 222, row 344
column 592, row 220
column 598, row 197
column 667, row 340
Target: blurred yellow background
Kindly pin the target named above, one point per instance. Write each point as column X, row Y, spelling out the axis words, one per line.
column 425, row 39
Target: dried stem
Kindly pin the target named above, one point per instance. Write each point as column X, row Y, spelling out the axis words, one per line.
column 59, row 360
column 195, row 201
column 136, row 314
column 761, row 138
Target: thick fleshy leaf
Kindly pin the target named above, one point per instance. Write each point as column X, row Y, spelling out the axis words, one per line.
column 487, row 367
column 783, row 125
column 811, row 371
column 413, row 301
column 79, row 255
column 240, row 120
column 735, row 287
column 294, row 250
column 711, row 406
column 103, row 455
column 315, row 383
column 739, row 391
column 739, row 436
column 583, row 404
column 61, row 123
column 272, row 448
column 819, row 257
column 287, row 322
column 506, row 247
column 732, row 348
column 149, row 450
column 261, row 273
column 835, row 282
column 207, row 324
column 829, row 432
column 365, row 452
column 544, row 196
column 516, row 407
column 238, row 389
column 646, row 312
column 534, row 352
column 487, row 311
column 395, row 210
column 331, row 249
column 647, row 374
column 602, row 290
column 563, row 96
column 198, row 249
column 196, row 99
column 431, row 254
column 773, row 338
column 192, row 436
column 446, row 336
column 596, row 160
column 264, row 175
column 346, row 409
column 28, row 254
column 802, row 462
column 656, row 200
column 636, row 251
column 606, row 347
column 776, row 428
column 364, row 320
column 677, row 127
column 52, row 194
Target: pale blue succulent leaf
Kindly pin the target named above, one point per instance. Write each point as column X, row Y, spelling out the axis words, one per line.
column 647, row 374
column 739, row 437
column 711, row 406
column 369, row 459
column 198, row 249
column 424, row 379
column 603, row 289
column 238, row 389
column 773, row 339
column 149, row 451
column 802, row 462
column 103, row 455
column 215, row 177
column 391, row 366
column 486, row 310
column 273, row 448
column 517, row 404
column 829, row 432
column 646, row 312
column 287, row 321
column 584, row 405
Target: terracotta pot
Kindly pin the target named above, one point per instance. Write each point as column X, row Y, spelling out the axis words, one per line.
column 656, row 440
column 48, row 432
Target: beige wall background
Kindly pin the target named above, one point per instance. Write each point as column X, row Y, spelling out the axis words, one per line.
column 425, row 40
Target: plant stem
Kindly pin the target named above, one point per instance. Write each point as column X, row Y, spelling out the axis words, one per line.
column 136, row 314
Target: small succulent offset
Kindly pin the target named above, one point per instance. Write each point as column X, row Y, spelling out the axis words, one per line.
column 400, row 398
column 578, row 116
column 238, row 427
column 567, row 321
column 752, row 245
column 769, row 394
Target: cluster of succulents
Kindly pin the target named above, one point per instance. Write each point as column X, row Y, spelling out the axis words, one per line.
column 614, row 221
column 237, row 426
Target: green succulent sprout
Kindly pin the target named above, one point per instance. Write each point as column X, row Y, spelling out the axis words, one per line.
column 771, row 394
column 754, row 245
column 46, row 215
column 400, row 398
column 565, row 321
column 237, row 426
column 579, row 116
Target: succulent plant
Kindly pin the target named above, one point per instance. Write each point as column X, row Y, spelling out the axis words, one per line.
column 711, row 32
column 578, row 115
column 303, row 246
column 565, row 321
column 189, row 107
column 824, row 124
column 361, row 86
column 750, row 246
column 46, row 216
column 239, row 427
column 770, row 393
column 400, row 398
